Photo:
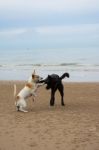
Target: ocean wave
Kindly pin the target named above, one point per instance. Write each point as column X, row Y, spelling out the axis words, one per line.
column 22, row 65
column 68, row 64
column 60, row 66
column 1, row 65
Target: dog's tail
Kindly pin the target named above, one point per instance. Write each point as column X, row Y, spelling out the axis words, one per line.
column 15, row 90
column 64, row 75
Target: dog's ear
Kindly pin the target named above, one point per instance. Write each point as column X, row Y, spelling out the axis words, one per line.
column 34, row 72
column 33, row 76
column 49, row 77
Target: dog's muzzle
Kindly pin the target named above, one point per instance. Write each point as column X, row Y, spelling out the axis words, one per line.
column 40, row 79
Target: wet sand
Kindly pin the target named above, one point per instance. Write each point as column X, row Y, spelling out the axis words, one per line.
column 73, row 127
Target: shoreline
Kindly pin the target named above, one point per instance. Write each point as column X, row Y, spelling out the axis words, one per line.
column 64, row 82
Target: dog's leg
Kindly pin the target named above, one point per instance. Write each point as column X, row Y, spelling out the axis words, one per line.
column 33, row 95
column 22, row 105
column 61, row 90
column 53, row 90
column 18, row 108
column 52, row 97
column 33, row 98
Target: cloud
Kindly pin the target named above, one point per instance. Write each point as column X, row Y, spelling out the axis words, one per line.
column 67, row 30
column 22, row 8
column 49, row 20
column 51, row 36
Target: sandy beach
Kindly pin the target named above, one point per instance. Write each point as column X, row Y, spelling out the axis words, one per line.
column 73, row 127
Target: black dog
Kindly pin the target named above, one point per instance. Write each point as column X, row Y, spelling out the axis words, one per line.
column 54, row 82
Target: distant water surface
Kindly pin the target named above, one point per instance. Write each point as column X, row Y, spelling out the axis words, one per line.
column 82, row 64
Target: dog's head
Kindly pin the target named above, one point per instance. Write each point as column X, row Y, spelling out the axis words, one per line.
column 35, row 78
column 48, row 81
column 51, row 81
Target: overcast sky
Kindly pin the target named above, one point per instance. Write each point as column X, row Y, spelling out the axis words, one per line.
column 49, row 24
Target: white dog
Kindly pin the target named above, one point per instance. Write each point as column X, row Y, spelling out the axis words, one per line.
column 28, row 91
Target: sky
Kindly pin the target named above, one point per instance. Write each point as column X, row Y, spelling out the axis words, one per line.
column 49, row 24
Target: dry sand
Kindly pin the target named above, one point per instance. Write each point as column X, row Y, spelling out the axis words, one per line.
column 73, row 127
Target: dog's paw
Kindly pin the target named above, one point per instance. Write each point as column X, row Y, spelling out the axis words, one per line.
column 63, row 104
column 22, row 110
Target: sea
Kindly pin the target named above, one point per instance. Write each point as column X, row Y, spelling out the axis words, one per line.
column 81, row 63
